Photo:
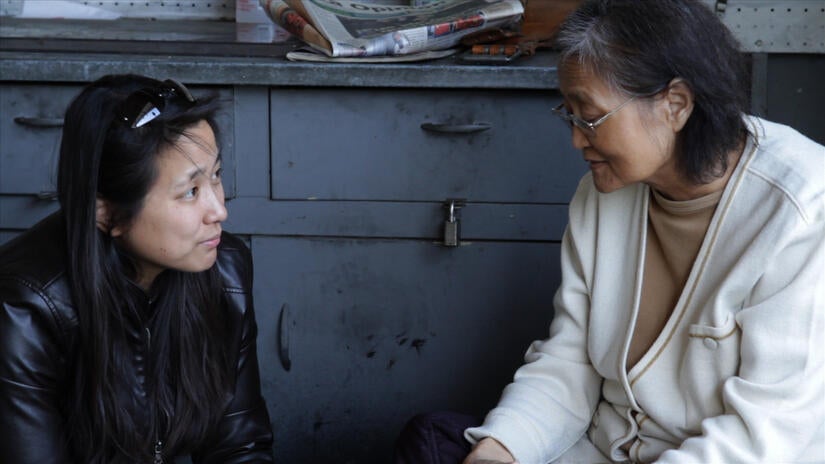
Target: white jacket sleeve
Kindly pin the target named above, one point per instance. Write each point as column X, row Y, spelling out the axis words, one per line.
column 549, row 404
column 775, row 406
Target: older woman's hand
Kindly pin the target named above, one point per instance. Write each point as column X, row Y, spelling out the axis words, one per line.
column 489, row 451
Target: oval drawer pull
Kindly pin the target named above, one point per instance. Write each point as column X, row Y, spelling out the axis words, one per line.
column 456, row 128
column 283, row 337
column 39, row 122
column 49, row 195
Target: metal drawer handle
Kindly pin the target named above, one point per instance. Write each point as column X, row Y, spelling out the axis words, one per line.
column 283, row 337
column 39, row 122
column 49, row 195
column 456, row 128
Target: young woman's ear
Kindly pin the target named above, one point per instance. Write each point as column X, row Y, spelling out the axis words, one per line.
column 103, row 218
column 679, row 98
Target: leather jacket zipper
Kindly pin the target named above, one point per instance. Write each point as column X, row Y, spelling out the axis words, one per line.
column 158, row 450
column 158, row 454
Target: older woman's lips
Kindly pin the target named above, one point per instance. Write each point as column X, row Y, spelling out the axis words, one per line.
column 212, row 242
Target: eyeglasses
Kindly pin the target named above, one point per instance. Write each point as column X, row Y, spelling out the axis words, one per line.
column 143, row 106
column 589, row 128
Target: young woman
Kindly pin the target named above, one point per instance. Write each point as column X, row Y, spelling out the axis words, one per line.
column 690, row 322
column 127, row 331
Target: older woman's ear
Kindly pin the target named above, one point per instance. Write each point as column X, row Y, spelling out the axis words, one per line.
column 679, row 99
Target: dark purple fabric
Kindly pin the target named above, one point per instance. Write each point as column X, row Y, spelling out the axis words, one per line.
column 435, row 438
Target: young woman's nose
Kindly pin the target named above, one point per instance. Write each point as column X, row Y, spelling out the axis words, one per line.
column 216, row 210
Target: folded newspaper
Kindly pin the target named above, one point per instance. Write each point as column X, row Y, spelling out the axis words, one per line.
column 360, row 29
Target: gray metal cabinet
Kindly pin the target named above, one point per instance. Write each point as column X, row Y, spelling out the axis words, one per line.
column 31, row 118
column 358, row 335
column 365, row 317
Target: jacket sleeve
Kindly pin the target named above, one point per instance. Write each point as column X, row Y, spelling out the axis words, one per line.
column 31, row 374
column 775, row 406
column 244, row 434
column 549, row 404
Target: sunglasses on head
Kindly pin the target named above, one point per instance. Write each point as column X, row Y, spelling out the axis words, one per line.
column 143, row 106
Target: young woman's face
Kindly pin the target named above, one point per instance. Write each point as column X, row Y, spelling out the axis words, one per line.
column 179, row 226
column 632, row 145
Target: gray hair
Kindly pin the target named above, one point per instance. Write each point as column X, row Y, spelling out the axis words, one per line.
column 638, row 46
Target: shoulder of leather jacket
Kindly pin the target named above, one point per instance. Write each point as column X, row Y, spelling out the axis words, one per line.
column 33, row 269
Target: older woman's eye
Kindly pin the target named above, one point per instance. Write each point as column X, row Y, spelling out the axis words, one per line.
column 217, row 175
column 191, row 193
column 590, row 115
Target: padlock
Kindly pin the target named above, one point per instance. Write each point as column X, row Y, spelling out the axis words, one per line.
column 451, row 224
column 451, row 232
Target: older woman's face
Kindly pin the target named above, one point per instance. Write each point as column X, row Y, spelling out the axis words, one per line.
column 632, row 145
column 179, row 226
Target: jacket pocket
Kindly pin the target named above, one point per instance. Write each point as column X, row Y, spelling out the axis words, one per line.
column 711, row 357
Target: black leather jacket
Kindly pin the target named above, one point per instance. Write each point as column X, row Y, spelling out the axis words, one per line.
column 38, row 334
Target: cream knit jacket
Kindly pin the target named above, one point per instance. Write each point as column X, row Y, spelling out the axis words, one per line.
column 737, row 373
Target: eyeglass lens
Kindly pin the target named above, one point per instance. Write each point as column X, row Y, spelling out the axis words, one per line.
column 573, row 120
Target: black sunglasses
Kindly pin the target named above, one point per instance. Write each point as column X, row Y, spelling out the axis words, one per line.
column 143, row 106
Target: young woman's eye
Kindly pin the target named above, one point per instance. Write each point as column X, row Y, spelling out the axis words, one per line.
column 191, row 193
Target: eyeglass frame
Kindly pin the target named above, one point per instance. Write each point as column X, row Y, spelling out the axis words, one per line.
column 589, row 128
column 154, row 102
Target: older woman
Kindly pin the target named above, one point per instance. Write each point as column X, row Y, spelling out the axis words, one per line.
column 690, row 322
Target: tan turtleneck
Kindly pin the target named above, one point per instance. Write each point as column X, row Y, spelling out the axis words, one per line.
column 675, row 231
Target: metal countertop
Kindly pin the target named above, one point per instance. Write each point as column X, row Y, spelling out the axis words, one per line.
column 216, row 52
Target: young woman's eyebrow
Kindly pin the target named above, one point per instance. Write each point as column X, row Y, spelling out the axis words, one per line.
column 197, row 171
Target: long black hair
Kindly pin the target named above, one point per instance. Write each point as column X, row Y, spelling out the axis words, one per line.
column 101, row 156
column 638, row 46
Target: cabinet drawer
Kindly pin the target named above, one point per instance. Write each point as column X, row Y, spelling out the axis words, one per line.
column 31, row 121
column 420, row 145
